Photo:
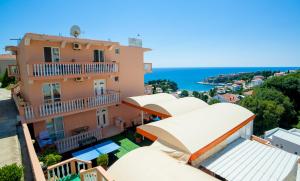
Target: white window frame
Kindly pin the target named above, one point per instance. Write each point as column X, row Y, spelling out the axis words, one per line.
column 52, row 59
column 52, row 95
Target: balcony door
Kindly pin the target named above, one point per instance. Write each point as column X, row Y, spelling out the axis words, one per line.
column 98, row 56
column 55, row 128
column 99, row 87
column 51, row 92
column 51, row 54
column 102, row 118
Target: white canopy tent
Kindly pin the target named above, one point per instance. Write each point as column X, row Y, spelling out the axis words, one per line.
column 177, row 106
column 149, row 164
column 164, row 105
column 197, row 131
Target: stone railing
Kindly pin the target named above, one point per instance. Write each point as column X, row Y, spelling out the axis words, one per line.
column 67, row 168
column 72, row 142
column 95, row 174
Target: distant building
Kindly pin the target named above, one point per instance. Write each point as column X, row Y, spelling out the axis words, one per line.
column 148, row 89
column 158, row 90
column 288, row 140
column 256, row 82
column 239, row 82
column 5, row 61
column 279, row 74
column 248, row 93
column 230, row 98
column 259, row 77
column 236, row 87
column 221, row 90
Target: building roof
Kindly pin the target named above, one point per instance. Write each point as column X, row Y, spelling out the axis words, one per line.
column 292, row 135
column 193, row 131
column 7, row 57
column 44, row 37
column 177, row 106
column 232, row 98
column 250, row 160
column 150, row 164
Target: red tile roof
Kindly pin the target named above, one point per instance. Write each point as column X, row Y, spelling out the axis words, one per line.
column 7, row 57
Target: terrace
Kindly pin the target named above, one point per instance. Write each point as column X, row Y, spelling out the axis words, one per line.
column 31, row 113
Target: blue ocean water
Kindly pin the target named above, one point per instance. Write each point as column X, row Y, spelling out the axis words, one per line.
column 187, row 78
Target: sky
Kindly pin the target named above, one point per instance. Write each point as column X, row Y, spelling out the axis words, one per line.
column 181, row 33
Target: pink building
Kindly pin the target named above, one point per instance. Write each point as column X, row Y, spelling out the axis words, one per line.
column 71, row 88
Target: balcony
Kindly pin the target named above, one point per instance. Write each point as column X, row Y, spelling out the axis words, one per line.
column 70, row 70
column 148, row 67
column 32, row 113
column 73, row 142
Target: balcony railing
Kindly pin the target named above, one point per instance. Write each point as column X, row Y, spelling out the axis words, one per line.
column 33, row 113
column 73, row 142
column 71, row 69
column 148, row 67
column 95, row 174
column 67, row 168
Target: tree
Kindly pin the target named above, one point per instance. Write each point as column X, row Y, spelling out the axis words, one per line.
column 213, row 101
column 184, row 93
column 272, row 109
column 103, row 160
column 212, row 92
column 6, row 80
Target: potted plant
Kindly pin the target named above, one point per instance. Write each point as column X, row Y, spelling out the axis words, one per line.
column 138, row 138
column 102, row 160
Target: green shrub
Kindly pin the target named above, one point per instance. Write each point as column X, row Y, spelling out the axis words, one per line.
column 102, row 160
column 11, row 172
column 52, row 159
column 7, row 80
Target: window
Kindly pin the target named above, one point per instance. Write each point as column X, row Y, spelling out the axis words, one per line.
column 116, row 79
column 51, row 54
column 117, row 51
column 51, row 92
column 55, row 128
column 98, row 56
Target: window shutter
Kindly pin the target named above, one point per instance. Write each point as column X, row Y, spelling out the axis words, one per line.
column 96, row 56
column 47, row 54
column 101, row 56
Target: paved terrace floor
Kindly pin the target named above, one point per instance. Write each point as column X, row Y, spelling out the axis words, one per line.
column 13, row 147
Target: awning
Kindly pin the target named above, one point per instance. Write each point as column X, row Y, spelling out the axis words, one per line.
column 164, row 105
column 198, row 131
column 95, row 151
column 149, row 164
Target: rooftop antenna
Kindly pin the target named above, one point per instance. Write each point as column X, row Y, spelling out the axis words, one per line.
column 16, row 39
column 75, row 31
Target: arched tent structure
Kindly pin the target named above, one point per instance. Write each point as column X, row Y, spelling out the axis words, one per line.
column 148, row 164
column 140, row 101
column 177, row 106
column 164, row 105
column 199, row 131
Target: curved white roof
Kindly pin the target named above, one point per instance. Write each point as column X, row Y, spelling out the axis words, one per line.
column 150, row 164
column 141, row 101
column 177, row 106
column 194, row 130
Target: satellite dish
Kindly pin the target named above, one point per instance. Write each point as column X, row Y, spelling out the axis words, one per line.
column 75, row 31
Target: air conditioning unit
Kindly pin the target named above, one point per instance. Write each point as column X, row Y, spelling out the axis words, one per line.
column 79, row 79
column 76, row 46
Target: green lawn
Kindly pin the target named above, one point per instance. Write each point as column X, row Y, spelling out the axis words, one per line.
column 126, row 145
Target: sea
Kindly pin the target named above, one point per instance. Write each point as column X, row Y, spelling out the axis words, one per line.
column 187, row 78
